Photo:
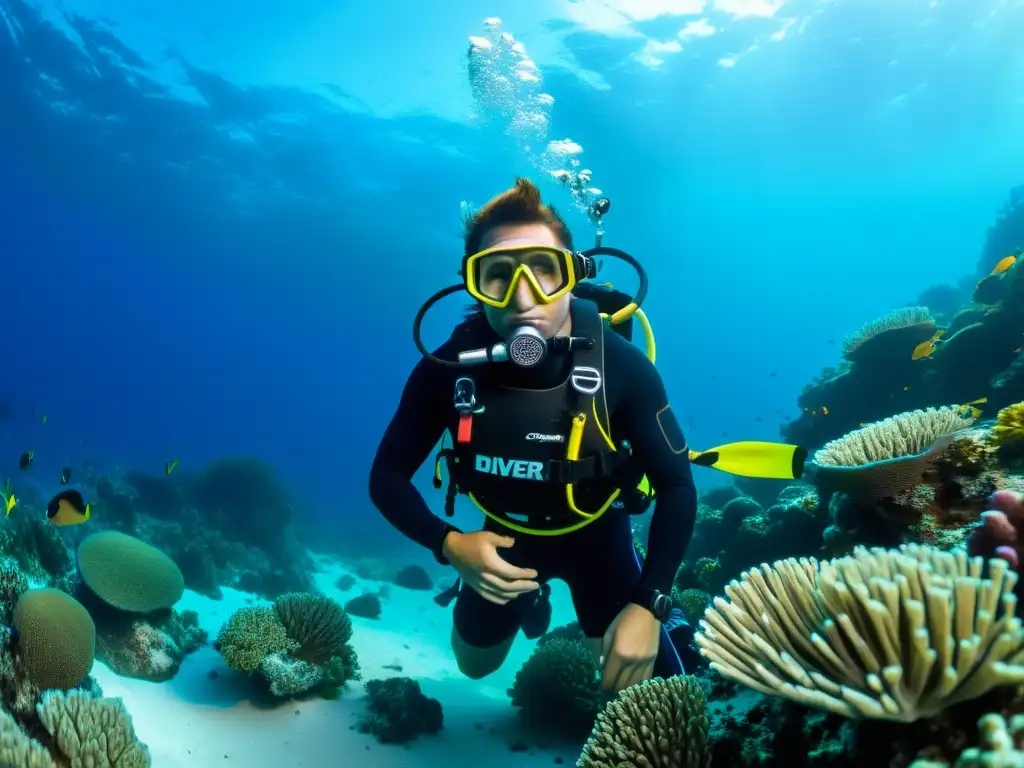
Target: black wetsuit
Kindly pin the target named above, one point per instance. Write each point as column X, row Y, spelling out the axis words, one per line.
column 598, row 562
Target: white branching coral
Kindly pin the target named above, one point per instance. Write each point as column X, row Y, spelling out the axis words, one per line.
column 905, row 434
column 884, row 634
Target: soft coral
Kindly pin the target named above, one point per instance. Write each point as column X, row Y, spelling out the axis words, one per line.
column 999, row 534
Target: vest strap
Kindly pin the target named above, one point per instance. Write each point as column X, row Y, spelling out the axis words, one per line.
column 595, row 466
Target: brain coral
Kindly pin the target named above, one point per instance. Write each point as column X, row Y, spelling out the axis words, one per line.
column 56, row 636
column 888, row 456
column 128, row 573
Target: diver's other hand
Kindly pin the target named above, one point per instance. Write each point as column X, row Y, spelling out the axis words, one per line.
column 475, row 556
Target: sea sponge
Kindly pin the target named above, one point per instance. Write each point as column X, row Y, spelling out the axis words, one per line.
column 250, row 635
column 890, row 635
column 128, row 573
column 91, row 731
column 1009, row 426
column 56, row 638
column 558, row 688
column 656, row 723
column 902, row 329
column 888, row 456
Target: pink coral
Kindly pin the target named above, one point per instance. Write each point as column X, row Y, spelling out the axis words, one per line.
column 999, row 534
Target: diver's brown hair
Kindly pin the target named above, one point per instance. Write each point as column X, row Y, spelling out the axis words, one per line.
column 522, row 204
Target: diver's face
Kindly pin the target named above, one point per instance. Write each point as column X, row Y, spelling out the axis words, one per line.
column 525, row 308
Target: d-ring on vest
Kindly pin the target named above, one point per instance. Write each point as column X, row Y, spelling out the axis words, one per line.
column 542, row 461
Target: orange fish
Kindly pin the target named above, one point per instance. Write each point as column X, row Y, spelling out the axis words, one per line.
column 1004, row 264
column 824, row 410
column 927, row 348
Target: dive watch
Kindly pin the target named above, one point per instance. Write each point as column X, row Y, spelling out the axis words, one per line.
column 654, row 601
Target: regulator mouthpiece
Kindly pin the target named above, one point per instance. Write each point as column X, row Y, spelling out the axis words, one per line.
column 525, row 347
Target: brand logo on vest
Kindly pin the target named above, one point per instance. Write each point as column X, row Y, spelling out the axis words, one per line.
column 521, row 469
column 540, row 438
column 585, row 379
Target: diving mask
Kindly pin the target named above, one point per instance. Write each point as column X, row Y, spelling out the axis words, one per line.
column 492, row 276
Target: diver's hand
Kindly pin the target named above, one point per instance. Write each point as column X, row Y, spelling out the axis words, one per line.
column 475, row 556
column 629, row 648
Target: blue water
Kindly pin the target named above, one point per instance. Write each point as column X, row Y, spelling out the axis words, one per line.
column 217, row 220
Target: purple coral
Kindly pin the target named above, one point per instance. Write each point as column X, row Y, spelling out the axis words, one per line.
column 999, row 534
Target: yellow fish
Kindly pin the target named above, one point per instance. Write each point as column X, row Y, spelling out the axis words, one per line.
column 1004, row 264
column 171, row 465
column 926, row 348
column 68, row 508
column 970, row 409
column 7, row 494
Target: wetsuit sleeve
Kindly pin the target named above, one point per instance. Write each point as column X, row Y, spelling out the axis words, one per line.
column 660, row 449
column 409, row 440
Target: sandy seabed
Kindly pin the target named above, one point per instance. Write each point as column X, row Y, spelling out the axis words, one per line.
column 204, row 719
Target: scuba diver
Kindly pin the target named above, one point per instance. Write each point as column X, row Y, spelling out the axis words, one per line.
column 559, row 431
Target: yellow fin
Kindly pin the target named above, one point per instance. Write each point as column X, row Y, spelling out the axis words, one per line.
column 754, row 459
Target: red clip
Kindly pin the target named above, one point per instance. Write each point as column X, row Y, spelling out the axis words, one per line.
column 465, row 427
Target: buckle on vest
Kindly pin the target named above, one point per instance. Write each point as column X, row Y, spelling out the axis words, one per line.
column 465, row 395
column 585, row 379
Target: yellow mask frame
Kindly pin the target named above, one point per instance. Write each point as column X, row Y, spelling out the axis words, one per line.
column 566, row 257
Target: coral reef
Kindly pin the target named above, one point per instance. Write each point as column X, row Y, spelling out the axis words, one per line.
column 250, row 635
column 888, row 457
column 1006, row 235
column 558, row 689
column 859, row 636
column 298, row 644
column 977, row 356
column 36, row 546
column 999, row 534
column 151, row 646
column 91, row 731
column 74, row 729
column 1000, row 746
column 659, row 722
column 397, row 711
column 214, row 524
column 129, row 589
